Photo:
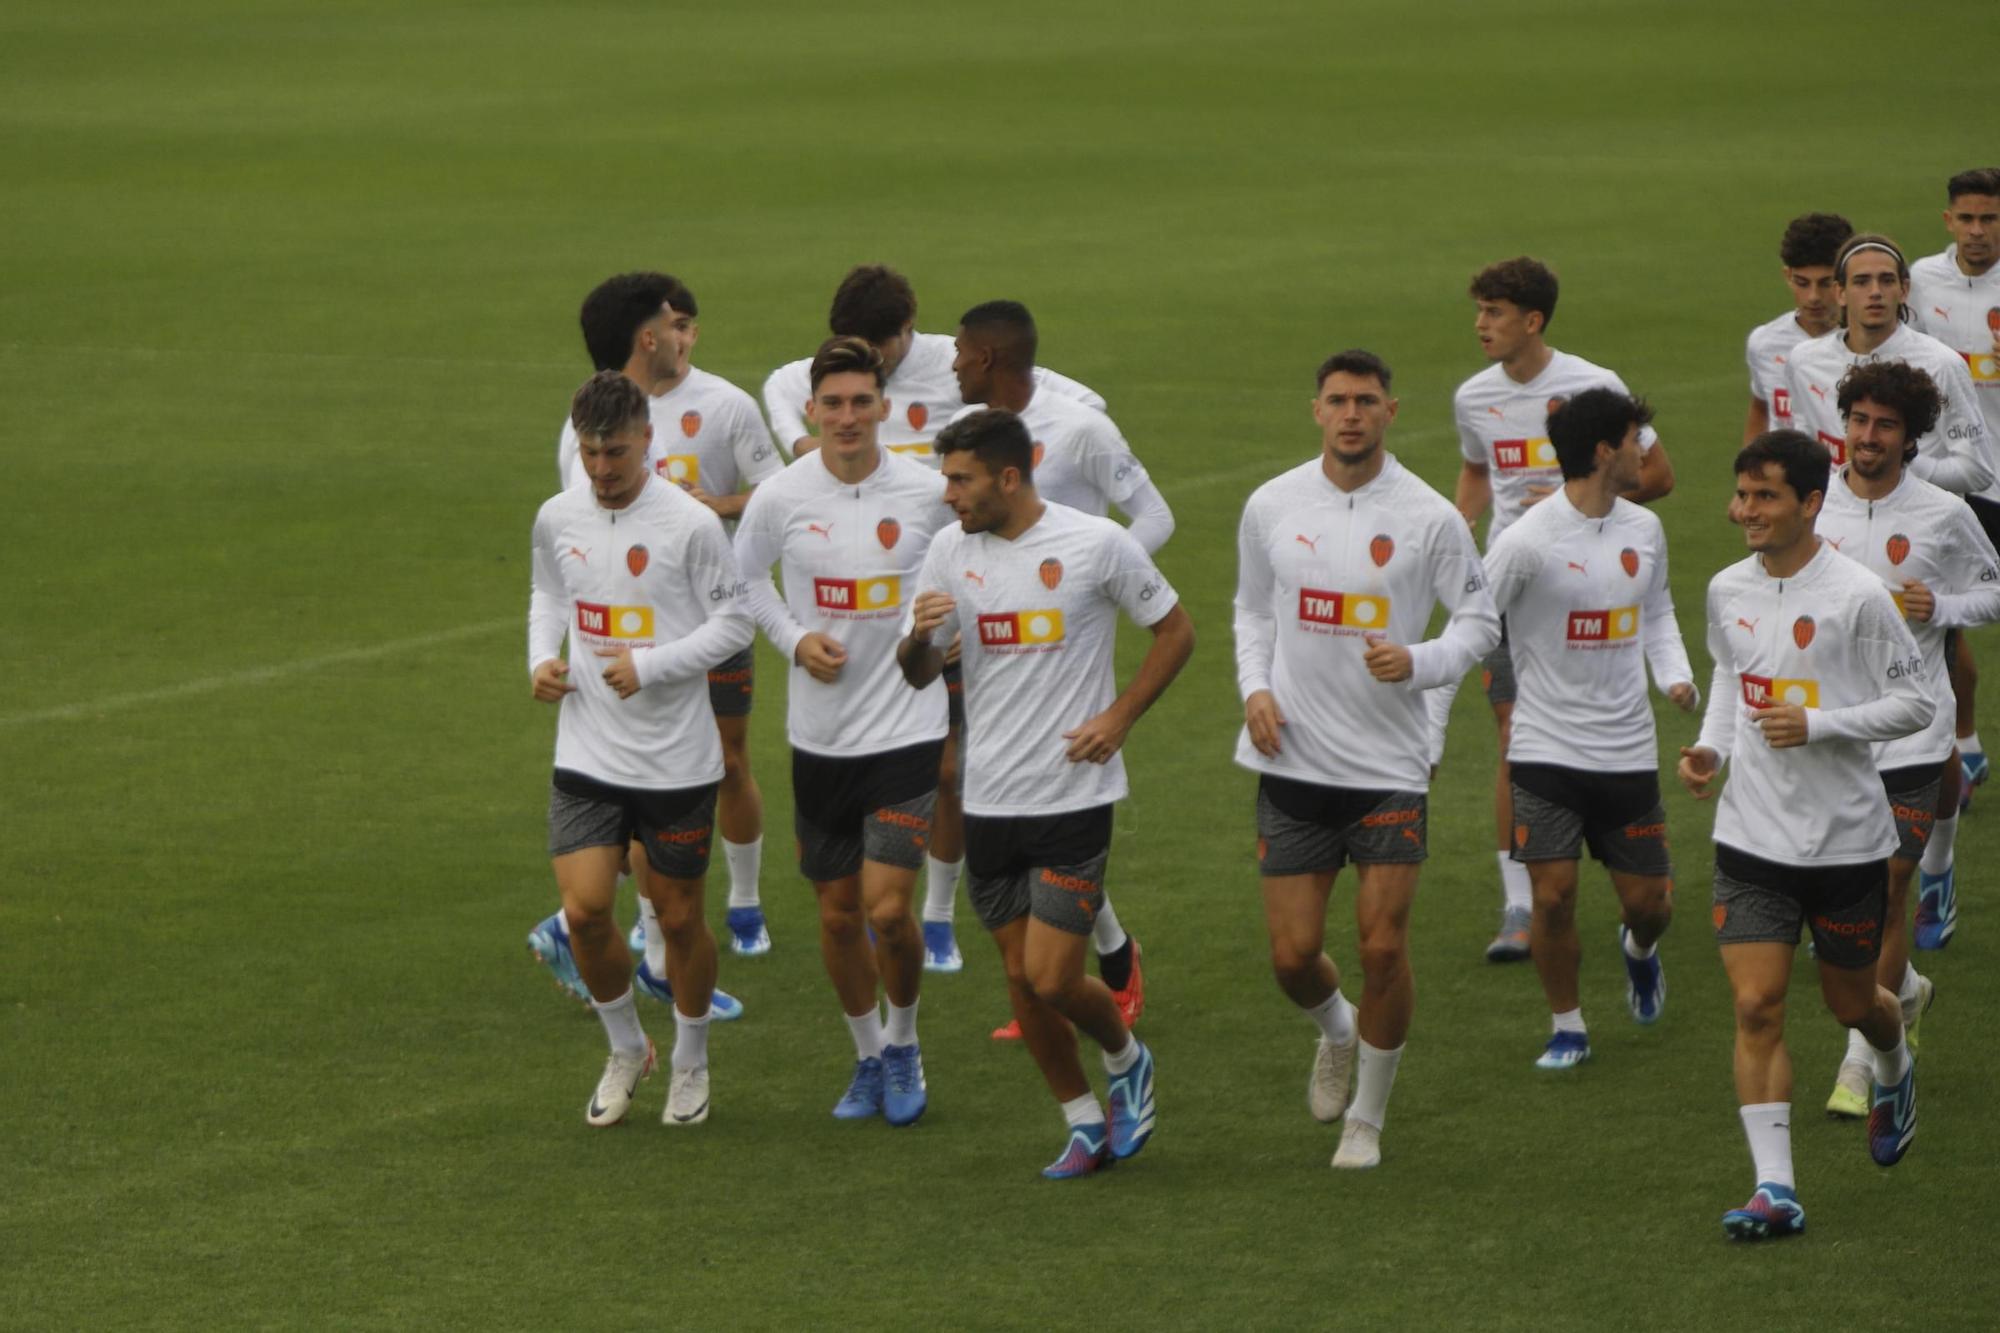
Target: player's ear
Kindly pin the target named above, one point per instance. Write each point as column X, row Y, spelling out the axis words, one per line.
column 884, row 414
column 649, row 432
column 812, row 409
column 1393, row 404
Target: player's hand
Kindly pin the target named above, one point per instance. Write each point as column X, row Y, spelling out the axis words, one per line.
column 621, row 675
column 1536, row 494
column 821, row 656
column 1098, row 739
column 1386, row 661
column 1262, row 716
column 1685, row 696
column 552, row 681
column 1697, row 769
column 929, row 611
column 952, row 654
column 698, row 493
column 1919, row 602
column 1783, row 725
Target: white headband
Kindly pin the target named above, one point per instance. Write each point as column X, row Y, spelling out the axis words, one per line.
column 1888, row 250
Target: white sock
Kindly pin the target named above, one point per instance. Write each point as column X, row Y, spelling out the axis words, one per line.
column 1859, row 1052
column 1569, row 1020
column 690, row 1041
column 1892, row 1064
column 1083, row 1111
column 941, row 887
column 621, row 1023
column 867, row 1030
column 1372, row 1083
column 745, row 861
column 901, row 1029
column 1937, row 851
column 1969, row 744
column 1106, row 935
column 1907, row 992
column 656, row 939
column 1514, row 885
column 1118, row 1062
column 1632, row 949
column 1335, row 1019
column 1768, row 1126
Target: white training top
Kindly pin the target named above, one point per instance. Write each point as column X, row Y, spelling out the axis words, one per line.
column 1039, row 615
column 1922, row 532
column 1321, row 570
column 1830, row 639
column 1956, row 455
column 1766, row 351
column 1503, row 426
column 1081, row 460
column 655, row 577
column 706, row 433
column 1587, row 607
column 850, row 554
column 1964, row 314
column 923, row 395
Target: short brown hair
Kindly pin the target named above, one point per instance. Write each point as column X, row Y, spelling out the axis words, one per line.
column 838, row 355
column 1528, row 283
column 607, row 403
column 873, row 302
column 1979, row 180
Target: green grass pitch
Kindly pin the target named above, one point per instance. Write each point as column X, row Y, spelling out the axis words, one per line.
column 287, row 304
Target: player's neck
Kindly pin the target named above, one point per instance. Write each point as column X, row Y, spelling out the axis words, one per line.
column 1027, row 511
column 1970, row 270
column 1593, row 496
column 1813, row 328
column 1530, row 361
column 1862, row 341
column 851, row 471
column 636, row 371
column 1351, row 476
column 1872, row 489
column 1012, row 393
column 1782, row 564
column 625, row 502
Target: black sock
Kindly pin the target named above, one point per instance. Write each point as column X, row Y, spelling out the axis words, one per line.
column 1116, row 967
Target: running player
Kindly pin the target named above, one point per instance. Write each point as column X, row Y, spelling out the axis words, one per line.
column 850, row 524
column 1956, row 299
column 1930, row 552
column 1037, row 588
column 640, row 579
column 1081, row 460
column 1809, row 246
column 644, row 324
column 1582, row 581
column 1508, row 464
column 1812, row 663
column 878, row 304
column 1340, row 562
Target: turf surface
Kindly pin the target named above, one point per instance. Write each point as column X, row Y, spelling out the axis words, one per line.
column 286, row 329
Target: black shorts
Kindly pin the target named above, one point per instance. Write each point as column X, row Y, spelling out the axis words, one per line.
column 1988, row 514
column 954, row 694
column 1497, row 670
column 871, row 807
column 1558, row 810
column 1051, row 865
column 1913, row 798
column 1304, row 828
column 733, row 684
column 676, row 826
column 1758, row 901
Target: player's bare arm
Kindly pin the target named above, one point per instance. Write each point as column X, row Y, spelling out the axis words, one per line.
column 1263, row 717
column 1100, row 738
column 1755, row 421
column 1656, row 476
column 725, row 506
column 1475, row 491
column 918, row 657
column 1697, row 769
column 551, row 681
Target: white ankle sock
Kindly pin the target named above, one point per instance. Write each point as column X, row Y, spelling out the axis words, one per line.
column 867, row 1030
column 1514, row 885
column 1569, row 1020
column 1937, row 851
column 1118, row 1063
column 621, row 1023
column 1632, row 949
column 1970, row 744
column 1859, row 1052
column 690, row 1041
column 941, row 887
column 1083, row 1111
column 1335, row 1019
column 1106, row 935
column 1892, row 1064
column 1768, row 1126
column 745, row 861
column 1376, row 1076
column 1907, row 992
column 901, row 1029
column 656, row 939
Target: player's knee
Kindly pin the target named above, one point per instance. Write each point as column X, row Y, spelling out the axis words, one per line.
column 839, row 921
column 679, row 913
column 1383, row 955
column 1293, row 959
column 891, row 918
column 590, row 927
column 1850, row 1006
column 735, row 767
column 1759, row 1013
column 1555, row 901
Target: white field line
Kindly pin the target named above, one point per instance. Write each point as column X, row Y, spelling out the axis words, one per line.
column 255, row 675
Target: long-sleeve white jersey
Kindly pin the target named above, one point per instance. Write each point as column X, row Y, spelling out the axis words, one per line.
column 1766, row 352
column 1956, row 455
column 850, row 553
column 1964, row 314
column 1827, row 638
column 656, row 577
column 706, row 433
column 1503, row 426
column 1922, row 532
column 1587, row 607
column 923, row 395
column 1039, row 616
column 1319, row 572
column 1081, row 460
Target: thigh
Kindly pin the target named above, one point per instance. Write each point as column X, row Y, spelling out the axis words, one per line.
column 587, row 878
column 1383, row 897
column 1295, row 910
column 1053, row 956
column 584, row 812
column 1065, row 856
column 1548, row 825
column 899, row 798
column 1301, row 829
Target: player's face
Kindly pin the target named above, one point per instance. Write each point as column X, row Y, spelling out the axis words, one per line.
column 982, row 499
column 1974, row 222
column 1504, row 329
column 895, row 349
column 972, row 365
column 669, row 341
column 1353, row 412
column 848, row 407
column 1771, row 513
column 1873, row 290
column 1816, row 295
column 1623, row 468
column 616, row 463
column 1876, row 437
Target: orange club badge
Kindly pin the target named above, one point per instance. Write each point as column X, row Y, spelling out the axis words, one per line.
column 1381, row 548
column 1802, row 631
column 636, row 559
column 888, row 532
column 1628, row 560
column 1051, row 572
column 690, row 424
column 1555, row 403
column 1035, row 458
column 917, row 415
column 1898, row 548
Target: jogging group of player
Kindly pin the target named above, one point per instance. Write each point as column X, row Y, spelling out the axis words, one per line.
column 949, row 594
